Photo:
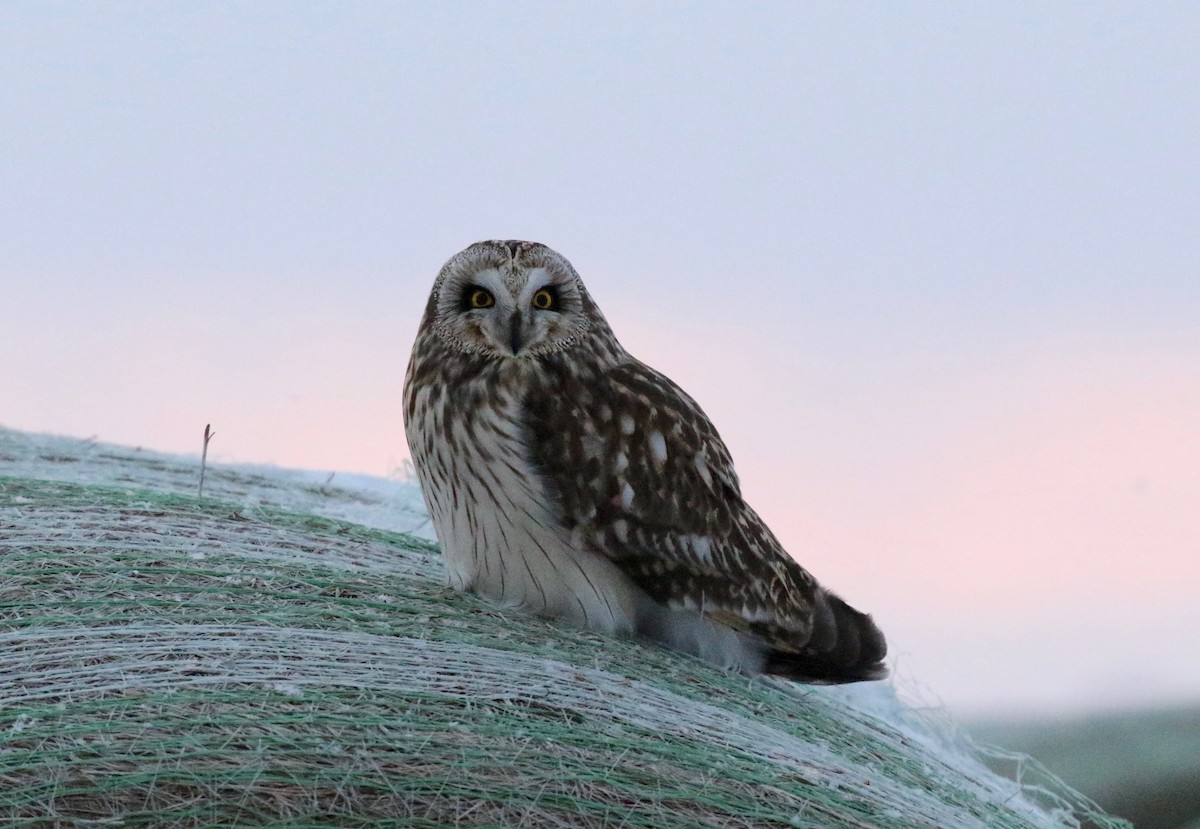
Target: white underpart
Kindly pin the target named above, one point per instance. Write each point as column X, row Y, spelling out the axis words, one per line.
column 702, row 468
column 691, row 632
column 500, row 540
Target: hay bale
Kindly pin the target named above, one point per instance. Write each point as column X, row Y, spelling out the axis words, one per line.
column 169, row 661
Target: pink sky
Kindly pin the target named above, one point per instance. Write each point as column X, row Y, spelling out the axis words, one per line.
column 1028, row 515
column 1027, row 529
column 932, row 270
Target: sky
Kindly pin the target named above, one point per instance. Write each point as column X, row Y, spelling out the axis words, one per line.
column 933, row 269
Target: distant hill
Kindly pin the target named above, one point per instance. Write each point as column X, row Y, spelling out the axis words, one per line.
column 1143, row 765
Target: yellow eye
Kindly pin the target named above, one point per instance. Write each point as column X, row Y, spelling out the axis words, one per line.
column 543, row 300
column 481, row 298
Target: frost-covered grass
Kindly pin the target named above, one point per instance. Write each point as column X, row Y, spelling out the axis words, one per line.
column 284, row 653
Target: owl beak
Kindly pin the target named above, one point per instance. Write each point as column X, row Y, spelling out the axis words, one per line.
column 514, row 333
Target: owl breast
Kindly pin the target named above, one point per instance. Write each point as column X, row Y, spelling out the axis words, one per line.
column 490, row 509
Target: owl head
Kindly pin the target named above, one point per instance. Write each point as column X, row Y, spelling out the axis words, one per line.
column 512, row 300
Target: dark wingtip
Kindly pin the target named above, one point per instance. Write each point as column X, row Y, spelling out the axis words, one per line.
column 845, row 646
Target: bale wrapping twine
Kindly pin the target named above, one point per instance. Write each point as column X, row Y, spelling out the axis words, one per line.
column 241, row 660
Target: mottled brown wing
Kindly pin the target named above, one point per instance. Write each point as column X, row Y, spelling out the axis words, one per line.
column 636, row 469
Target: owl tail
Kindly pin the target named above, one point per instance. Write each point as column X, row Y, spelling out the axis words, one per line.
column 845, row 646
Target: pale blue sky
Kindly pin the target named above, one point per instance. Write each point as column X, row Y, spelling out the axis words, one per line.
column 876, row 241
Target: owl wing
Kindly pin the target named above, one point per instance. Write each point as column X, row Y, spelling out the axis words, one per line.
column 638, row 472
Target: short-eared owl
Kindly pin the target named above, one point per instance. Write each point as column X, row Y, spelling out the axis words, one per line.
column 569, row 479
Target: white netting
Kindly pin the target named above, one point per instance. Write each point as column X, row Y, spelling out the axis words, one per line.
column 170, row 661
